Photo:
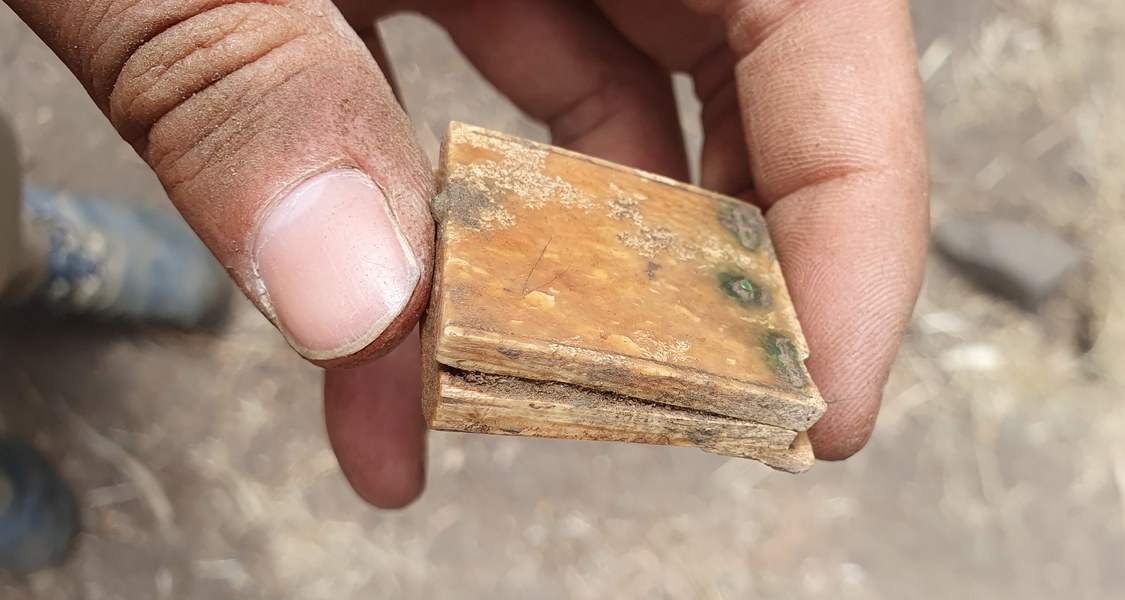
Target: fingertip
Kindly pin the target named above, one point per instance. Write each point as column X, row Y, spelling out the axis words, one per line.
column 853, row 258
column 850, row 364
column 373, row 414
column 839, row 437
column 394, row 485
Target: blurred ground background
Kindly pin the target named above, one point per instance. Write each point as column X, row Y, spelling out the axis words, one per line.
column 997, row 468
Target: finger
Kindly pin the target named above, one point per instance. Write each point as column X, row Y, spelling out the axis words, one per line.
column 282, row 145
column 363, row 18
column 564, row 64
column 685, row 41
column 830, row 97
column 373, row 412
column 674, row 36
column 375, row 424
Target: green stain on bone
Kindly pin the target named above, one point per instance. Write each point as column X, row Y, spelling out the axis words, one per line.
column 745, row 222
column 743, row 289
column 781, row 354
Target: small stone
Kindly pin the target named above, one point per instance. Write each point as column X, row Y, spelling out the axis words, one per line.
column 981, row 358
column 1010, row 259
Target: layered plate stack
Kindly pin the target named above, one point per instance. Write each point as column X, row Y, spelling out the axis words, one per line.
column 575, row 298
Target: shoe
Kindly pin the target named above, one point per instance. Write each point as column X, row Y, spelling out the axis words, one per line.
column 125, row 262
column 38, row 513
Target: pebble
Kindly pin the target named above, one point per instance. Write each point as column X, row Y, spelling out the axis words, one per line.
column 1013, row 260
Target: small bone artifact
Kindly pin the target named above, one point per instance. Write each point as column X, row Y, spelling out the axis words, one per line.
column 575, row 298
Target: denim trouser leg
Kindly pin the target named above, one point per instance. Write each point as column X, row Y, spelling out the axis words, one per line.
column 38, row 513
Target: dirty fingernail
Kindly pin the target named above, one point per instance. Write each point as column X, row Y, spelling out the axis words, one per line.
column 335, row 265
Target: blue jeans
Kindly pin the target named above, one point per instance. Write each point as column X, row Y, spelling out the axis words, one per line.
column 38, row 513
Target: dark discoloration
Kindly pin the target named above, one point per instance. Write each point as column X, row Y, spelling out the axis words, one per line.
column 460, row 202
column 624, row 209
column 745, row 222
column 651, row 269
column 744, row 290
column 509, row 352
column 781, row 354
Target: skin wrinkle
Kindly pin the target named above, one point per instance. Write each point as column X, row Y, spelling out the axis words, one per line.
column 88, row 27
column 93, row 73
column 125, row 119
column 161, row 66
column 163, row 162
column 227, row 142
column 857, row 145
column 131, row 30
column 60, row 37
column 749, row 23
column 167, row 162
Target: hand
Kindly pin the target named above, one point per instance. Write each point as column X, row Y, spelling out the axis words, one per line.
column 812, row 110
column 277, row 137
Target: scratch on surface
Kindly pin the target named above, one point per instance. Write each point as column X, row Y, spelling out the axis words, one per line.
column 535, row 266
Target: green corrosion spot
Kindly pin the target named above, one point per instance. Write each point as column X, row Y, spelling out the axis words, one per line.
column 743, row 289
column 781, row 354
column 745, row 223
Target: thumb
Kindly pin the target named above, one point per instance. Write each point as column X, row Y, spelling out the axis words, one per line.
column 280, row 142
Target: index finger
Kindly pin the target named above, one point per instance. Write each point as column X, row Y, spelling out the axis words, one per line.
column 830, row 99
